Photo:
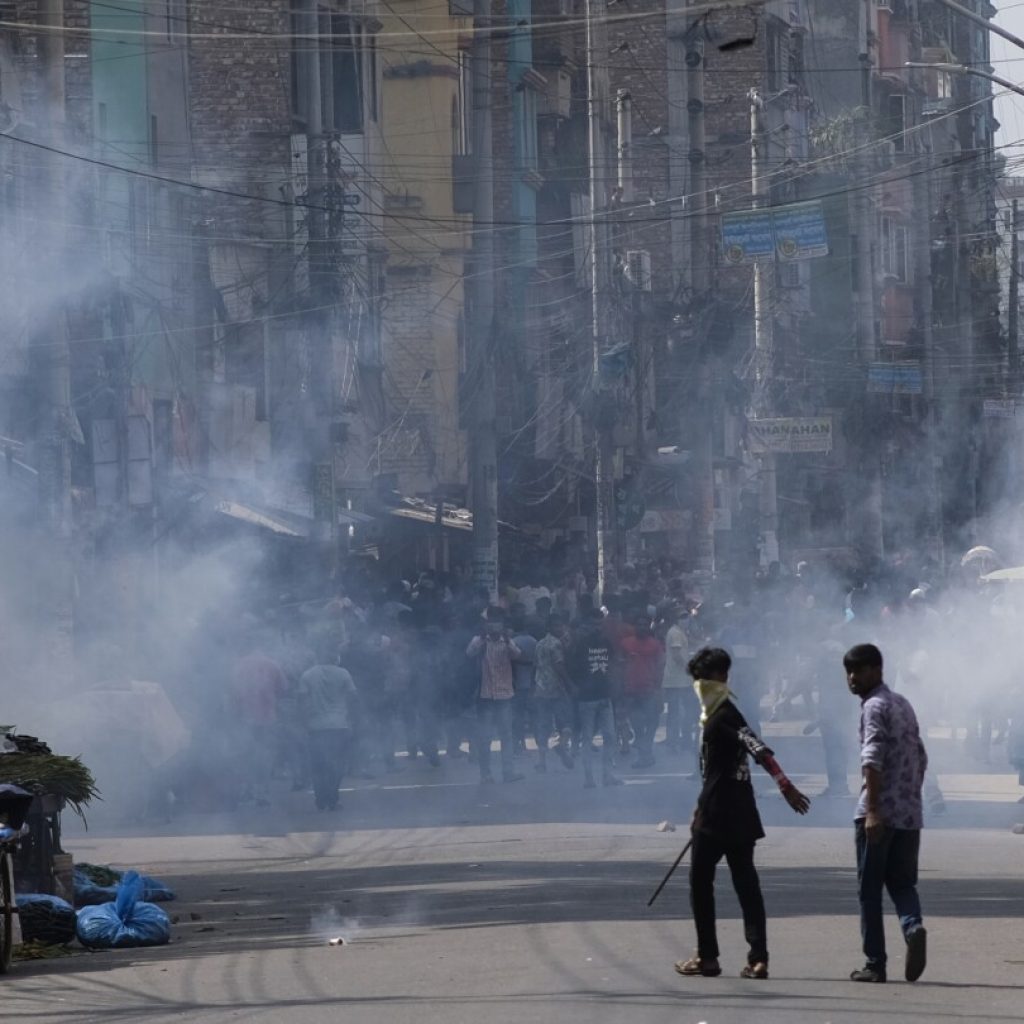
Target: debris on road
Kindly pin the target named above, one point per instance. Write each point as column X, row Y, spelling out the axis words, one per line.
column 666, row 826
column 336, row 941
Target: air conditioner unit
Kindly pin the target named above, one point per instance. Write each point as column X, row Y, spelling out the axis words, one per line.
column 638, row 269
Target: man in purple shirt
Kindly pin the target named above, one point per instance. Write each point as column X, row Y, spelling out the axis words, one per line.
column 888, row 818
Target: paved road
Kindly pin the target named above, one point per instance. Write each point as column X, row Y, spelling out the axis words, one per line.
column 526, row 902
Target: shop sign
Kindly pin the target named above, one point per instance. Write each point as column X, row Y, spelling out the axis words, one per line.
column 790, row 435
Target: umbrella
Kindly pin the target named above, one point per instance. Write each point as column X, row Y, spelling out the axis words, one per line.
column 980, row 554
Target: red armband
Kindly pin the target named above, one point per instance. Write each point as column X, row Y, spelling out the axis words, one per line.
column 774, row 769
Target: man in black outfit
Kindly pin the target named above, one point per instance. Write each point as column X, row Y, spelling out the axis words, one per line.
column 726, row 822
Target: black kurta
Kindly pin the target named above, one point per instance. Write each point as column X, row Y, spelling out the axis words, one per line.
column 726, row 805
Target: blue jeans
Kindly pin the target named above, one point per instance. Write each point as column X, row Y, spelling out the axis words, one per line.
column 596, row 717
column 494, row 716
column 890, row 863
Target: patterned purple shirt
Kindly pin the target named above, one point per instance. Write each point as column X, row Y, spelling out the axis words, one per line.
column 891, row 743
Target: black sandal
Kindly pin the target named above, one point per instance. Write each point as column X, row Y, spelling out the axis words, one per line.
column 695, row 967
column 758, row 970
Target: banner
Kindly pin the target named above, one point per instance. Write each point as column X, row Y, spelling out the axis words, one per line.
column 789, row 436
column 793, row 232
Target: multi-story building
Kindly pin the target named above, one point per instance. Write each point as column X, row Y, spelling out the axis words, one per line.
column 420, row 450
column 288, row 215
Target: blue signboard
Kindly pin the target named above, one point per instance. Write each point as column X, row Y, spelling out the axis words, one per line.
column 903, row 378
column 748, row 236
column 794, row 232
column 800, row 231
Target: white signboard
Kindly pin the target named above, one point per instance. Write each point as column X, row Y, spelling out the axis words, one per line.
column 786, row 436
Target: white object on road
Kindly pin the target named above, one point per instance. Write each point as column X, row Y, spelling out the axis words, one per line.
column 667, row 826
column 337, row 941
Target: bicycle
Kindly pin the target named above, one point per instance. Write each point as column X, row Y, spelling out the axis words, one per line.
column 14, row 805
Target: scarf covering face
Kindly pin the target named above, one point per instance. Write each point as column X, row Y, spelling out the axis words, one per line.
column 712, row 694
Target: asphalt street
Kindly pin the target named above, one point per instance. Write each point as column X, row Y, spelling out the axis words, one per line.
column 459, row 902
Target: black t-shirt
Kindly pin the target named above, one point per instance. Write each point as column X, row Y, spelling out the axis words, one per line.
column 590, row 661
column 728, row 810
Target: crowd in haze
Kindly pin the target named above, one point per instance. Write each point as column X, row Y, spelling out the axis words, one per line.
column 376, row 677
column 379, row 675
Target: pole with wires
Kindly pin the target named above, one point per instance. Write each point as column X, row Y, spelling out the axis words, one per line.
column 483, row 465
column 596, row 78
column 764, row 336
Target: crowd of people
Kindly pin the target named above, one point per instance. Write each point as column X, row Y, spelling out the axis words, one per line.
column 431, row 668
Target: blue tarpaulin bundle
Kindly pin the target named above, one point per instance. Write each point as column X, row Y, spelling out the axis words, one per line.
column 127, row 922
column 89, row 893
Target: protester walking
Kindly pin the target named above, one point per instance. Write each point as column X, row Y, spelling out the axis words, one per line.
column 328, row 700
column 889, row 814
column 726, row 822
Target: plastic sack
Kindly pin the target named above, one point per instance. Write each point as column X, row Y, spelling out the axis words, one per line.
column 89, row 893
column 126, row 923
column 46, row 919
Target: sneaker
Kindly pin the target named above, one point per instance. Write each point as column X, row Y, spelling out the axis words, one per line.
column 513, row 777
column 869, row 973
column 917, row 953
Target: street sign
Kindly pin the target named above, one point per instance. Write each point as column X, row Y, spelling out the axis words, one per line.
column 790, row 435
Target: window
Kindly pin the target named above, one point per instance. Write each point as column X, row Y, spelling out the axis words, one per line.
column 163, row 435
column 894, row 249
column 895, row 121
column 298, row 45
column 527, row 129
column 343, row 60
column 348, row 71
column 776, row 56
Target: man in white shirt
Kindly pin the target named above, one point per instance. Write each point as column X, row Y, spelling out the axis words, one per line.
column 679, row 727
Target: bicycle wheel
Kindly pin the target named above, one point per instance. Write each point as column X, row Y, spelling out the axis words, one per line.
column 7, row 910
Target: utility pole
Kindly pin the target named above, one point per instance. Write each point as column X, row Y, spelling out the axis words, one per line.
column 869, row 479
column 595, row 15
column 1013, row 313
column 764, row 331
column 700, row 252
column 624, row 149
column 923, row 281
column 483, row 467
column 624, row 118
column 322, row 286
column 51, row 366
